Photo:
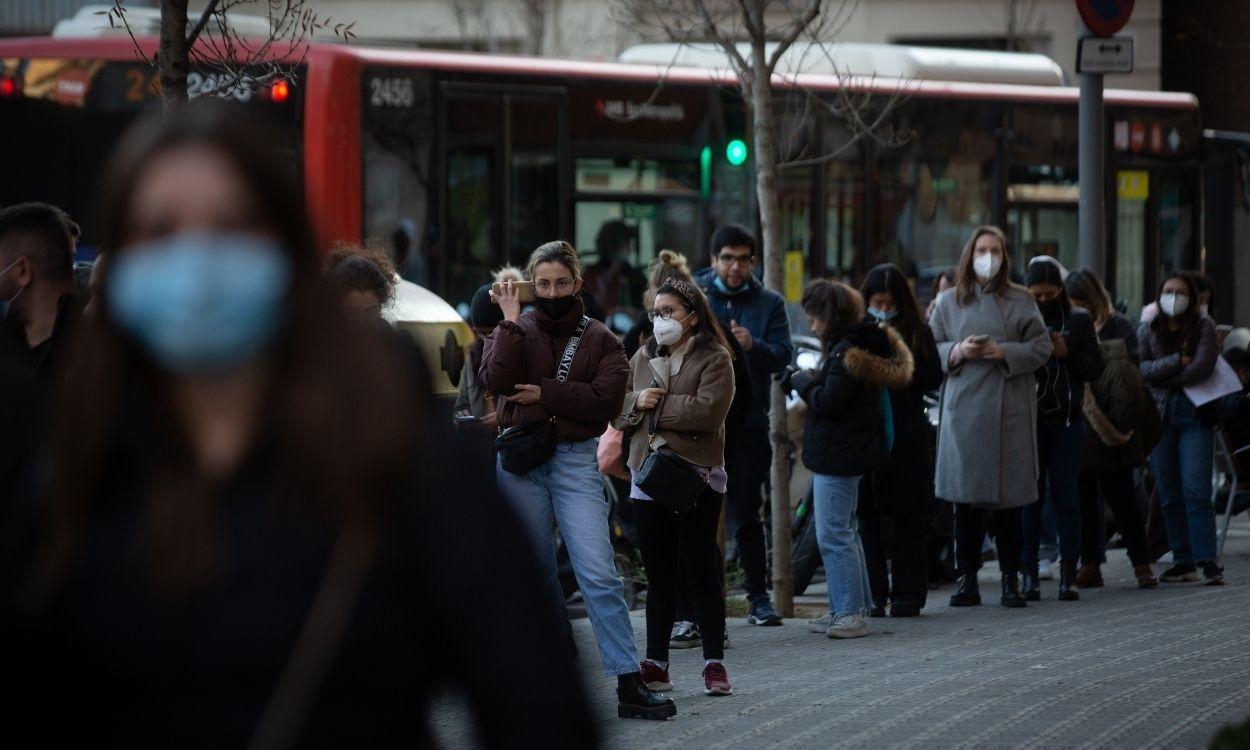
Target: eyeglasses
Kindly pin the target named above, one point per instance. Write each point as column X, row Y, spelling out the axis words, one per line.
column 666, row 313
column 730, row 259
column 545, row 285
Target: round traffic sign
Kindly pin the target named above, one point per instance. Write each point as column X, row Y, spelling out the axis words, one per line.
column 1105, row 17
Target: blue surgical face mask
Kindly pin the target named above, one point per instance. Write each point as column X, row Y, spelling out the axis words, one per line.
column 882, row 316
column 723, row 288
column 202, row 302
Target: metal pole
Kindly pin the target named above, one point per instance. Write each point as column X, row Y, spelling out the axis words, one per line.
column 1091, row 139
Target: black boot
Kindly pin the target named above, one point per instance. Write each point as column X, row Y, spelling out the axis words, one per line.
column 967, row 595
column 1011, row 592
column 1032, row 587
column 635, row 700
column 1067, row 581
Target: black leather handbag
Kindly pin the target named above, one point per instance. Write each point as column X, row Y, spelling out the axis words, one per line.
column 667, row 478
column 526, row 446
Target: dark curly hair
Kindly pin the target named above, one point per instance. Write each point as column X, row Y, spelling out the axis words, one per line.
column 361, row 268
column 836, row 304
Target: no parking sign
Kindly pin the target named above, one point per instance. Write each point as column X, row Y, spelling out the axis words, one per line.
column 1105, row 17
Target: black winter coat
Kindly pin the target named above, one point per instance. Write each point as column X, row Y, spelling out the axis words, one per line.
column 905, row 485
column 842, row 433
column 1061, row 381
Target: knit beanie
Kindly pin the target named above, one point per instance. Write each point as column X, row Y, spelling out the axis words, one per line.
column 483, row 312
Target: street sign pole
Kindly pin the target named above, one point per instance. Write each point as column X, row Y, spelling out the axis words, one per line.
column 1092, row 250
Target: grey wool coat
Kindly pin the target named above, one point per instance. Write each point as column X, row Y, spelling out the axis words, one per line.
column 987, row 438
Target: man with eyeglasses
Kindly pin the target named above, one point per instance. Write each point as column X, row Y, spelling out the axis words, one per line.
column 757, row 319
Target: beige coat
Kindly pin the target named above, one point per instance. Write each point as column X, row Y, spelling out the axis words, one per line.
column 987, row 439
column 691, row 421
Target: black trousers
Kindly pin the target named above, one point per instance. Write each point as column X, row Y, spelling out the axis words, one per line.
column 669, row 543
column 1114, row 488
column 908, row 516
column 746, row 477
column 971, row 524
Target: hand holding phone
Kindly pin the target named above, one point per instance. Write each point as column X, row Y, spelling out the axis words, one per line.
column 524, row 290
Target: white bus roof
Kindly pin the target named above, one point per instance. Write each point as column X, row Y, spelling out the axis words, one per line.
column 865, row 60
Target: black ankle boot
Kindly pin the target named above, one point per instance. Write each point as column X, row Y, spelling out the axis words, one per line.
column 967, row 595
column 1067, row 581
column 1011, row 592
column 1032, row 587
column 634, row 700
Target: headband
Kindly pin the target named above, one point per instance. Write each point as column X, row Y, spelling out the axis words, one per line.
column 681, row 289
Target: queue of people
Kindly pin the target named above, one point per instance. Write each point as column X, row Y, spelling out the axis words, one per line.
column 223, row 528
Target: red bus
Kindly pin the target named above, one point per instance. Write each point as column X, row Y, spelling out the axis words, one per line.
column 471, row 160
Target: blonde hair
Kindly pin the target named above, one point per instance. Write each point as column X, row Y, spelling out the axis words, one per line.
column 556, row 251
column 669, row 264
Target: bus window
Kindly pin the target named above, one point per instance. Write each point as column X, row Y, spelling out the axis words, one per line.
column 397, row 136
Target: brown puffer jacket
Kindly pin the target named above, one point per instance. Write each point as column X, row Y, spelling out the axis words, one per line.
column 527, row 352
column 1124, row 425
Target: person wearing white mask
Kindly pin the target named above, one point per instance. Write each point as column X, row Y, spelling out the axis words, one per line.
column 1178, row 349
column 990, row 339
column 682, row 385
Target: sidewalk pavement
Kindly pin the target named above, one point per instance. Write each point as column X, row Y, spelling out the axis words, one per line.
column 1121, row 668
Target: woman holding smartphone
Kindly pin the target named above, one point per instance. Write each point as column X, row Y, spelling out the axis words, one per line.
column 990, row 339
column 556, row 366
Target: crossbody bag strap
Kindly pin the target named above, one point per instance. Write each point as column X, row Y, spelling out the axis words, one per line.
column 570, row 349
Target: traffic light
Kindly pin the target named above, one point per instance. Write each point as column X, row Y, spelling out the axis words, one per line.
column 736, row 152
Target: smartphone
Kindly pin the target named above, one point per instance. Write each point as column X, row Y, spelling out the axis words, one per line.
column 982, row 339
column 525, row 290
column 464, row 420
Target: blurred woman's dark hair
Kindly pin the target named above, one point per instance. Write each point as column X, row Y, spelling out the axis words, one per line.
column 1085, row 286
column 946, row 273
column 1204, row 285
column 889, row 278
column 836, row 304
column 1046, row 271
column 361, row 268
column 335, row 416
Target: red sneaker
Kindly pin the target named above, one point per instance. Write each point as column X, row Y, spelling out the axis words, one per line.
column 716, row 680
column 655, row 677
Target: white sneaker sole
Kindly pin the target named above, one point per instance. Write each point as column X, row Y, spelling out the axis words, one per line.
column 660, row 687
column 718, row 691
column 858, row 633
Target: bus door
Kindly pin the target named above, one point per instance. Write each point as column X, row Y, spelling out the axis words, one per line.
column 502, row 191
column 1155, row 230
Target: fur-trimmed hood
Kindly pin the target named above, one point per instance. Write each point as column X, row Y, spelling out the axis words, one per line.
column 876, row 355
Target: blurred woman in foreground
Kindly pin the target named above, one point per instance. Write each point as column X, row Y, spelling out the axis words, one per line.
column 244, row 545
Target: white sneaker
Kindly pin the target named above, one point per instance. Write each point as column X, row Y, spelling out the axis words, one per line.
column 848, row 626
column 1044, row 570
column 820, row 624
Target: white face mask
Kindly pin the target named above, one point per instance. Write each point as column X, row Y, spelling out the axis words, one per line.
column 986, row 266
column 1173, row 304
column 667, row 331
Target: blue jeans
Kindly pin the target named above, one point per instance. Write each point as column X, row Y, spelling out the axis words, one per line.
column 1182, row 466
column 835, row 499
column 568, row 488
column 1059, row 461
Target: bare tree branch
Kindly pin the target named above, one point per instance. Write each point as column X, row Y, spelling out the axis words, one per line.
column 199, row 25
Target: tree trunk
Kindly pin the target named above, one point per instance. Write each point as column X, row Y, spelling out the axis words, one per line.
column 774, row 278
column 173, row 55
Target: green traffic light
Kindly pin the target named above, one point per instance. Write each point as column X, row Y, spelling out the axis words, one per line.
column 736, row 152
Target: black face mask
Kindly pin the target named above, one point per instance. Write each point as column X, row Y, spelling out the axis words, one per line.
column 1052, row 310
column 556, row 308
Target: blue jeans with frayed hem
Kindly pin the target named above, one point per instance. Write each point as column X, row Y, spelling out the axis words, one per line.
column 835, row 501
